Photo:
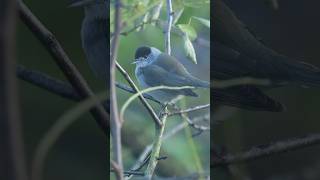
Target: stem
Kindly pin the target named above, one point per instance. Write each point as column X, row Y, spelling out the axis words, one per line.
column 115, row 120
column 169, row 25
column 156, row 146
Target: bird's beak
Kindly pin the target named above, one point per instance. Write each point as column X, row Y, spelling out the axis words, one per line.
column 134, row 62
column 77, row 3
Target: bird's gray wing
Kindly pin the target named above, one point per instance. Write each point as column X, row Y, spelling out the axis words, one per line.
column 156, row 76
column 173, row 66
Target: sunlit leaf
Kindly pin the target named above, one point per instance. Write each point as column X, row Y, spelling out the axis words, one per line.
column 202, row 21
column 189, row 49
column 177, row 15
column 196, row 3
column 155, row 12
column 189, row 30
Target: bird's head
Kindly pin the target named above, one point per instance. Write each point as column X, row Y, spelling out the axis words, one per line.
column 93, row 8
column 145, row 55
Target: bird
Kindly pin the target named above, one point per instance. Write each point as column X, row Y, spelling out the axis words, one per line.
column 241, row 54
column 155, row 68
column 237, row 52
column 95, row 37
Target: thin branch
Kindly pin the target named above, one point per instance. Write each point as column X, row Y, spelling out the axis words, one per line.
column 116, row 122
column 12, row 160
column 130, row 90
column 196, row 108
column 116, row 169
column 135, row 88
column 59, row 87
column 156, row 146
column 169, row 25
column 48, row 83
column 190, row 122
column 258, row 152
column 63, row 61
column 162, row 24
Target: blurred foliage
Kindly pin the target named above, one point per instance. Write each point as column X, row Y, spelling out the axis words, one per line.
column 138, row 128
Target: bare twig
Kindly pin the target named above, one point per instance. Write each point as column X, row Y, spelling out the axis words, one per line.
column 12, row 160
column 130, row 90
column 191, row 123
column 48, row 83
column 268, row 150
column 59, row 87
column 63, row 61
column 162, row 24
column 116, row 122
column 116, row 169
column 135, row 88
column 169, row 25
column 196, row 108
column 156, row 146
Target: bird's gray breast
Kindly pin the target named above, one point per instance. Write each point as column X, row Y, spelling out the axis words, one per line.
column 95, row 44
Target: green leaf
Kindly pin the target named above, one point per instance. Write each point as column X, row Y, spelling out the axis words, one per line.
column 189, row 49
column 177, row 15
column 189, row 30
column 155, row 12
column 202, row 21
column 196, row 3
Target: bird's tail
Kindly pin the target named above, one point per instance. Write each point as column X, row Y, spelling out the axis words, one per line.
column 302, row 73
column 200, row 83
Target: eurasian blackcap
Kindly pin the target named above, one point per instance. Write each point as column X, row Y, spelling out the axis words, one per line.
column 94, row 35
column 154, row 68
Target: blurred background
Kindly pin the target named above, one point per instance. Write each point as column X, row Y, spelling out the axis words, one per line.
column 81, row 151
column 292, row 30
column 138, row 129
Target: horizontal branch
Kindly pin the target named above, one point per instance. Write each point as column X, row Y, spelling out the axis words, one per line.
column 258, row 152
column 196, row 108
column 48, row 83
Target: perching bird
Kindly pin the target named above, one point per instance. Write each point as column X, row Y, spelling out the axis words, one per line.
column 154, row 68
column 94, row 35
column 238, row 53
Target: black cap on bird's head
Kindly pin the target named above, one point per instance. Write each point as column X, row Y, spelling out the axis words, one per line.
column 142, row 52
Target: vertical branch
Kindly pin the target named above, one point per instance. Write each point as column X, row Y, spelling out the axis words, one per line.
column 12, row 161
column 115, row 120
column 169, row 25
column 160, row 128
column 156, row 146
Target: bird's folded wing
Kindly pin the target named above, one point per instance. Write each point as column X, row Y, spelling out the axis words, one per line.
column 155, row 76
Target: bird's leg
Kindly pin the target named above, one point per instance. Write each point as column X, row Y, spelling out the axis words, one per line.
column 162, row 109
